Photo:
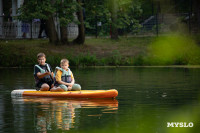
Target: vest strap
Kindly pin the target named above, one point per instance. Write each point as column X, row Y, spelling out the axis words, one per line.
column 64, row 72
column 42, row 70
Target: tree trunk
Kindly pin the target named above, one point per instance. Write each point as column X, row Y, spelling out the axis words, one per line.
column 63, row 32
column 52, row 33
column 197, row 14
column 114, row 29
column 81, row 29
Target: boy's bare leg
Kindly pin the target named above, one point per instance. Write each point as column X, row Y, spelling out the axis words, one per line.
column 57, row 89
column 44, row 87
column 53, row 89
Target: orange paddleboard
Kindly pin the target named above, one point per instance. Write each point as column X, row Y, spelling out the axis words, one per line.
column 68, row 94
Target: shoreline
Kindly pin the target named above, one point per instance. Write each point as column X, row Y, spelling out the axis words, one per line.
column 168, row 66
column 104, row 52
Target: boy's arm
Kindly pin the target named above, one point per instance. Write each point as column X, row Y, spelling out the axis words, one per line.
column 64, row 83
column 71, row 84
column 52, row 74
column 73, row 80
column 39, row 74
column 42, row 75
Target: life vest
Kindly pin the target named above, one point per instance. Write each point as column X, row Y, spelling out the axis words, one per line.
column 42, row 70
column 45, row 79
column 66, row 75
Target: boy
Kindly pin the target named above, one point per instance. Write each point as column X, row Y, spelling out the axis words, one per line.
column 43, row 74
column 64, row 78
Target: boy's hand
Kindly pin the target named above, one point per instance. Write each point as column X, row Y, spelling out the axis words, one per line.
column 52, row 85
column 70, row 84
column 41, row 75
column 52, row 74
column 69, row 88
column 48, row 73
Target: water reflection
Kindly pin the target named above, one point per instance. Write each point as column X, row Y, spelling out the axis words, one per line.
column 148, row 99
column 54, row 113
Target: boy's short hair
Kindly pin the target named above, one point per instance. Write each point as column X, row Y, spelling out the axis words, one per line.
column 41, row 55
column 64, row 61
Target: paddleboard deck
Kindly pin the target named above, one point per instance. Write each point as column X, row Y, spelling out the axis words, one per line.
column 112, row 93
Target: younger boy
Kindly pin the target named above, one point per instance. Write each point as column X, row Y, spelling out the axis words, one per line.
column 64, row 78
column 43, row 74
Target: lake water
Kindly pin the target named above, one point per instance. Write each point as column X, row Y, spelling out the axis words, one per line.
column 149, row 98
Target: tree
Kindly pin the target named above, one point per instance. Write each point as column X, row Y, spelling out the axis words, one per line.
column 196, row 4
column 81, row 28
column 115, row 16
column 113, row 8
column 49, row 10
column 128, row 16
column 97, row 11
column 66, row 13
column 52, row 33
column 124, row 14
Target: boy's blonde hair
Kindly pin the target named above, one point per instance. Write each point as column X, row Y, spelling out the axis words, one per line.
column 41, row 55
column 64, row 61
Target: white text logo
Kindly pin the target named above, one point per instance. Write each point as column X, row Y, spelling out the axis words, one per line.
column 179, row 124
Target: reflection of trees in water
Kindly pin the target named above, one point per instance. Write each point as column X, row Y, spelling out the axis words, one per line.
column 54, row 113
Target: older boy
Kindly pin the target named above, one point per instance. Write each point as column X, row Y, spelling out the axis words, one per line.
column 43, row 74
column 64, row 78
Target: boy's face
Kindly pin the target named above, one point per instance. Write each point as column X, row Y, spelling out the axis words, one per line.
column 64, row 65
column 41, row 60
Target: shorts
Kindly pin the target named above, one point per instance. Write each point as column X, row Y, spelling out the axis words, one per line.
column 75, row 87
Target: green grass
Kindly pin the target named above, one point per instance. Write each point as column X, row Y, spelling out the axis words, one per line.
column 126, row 51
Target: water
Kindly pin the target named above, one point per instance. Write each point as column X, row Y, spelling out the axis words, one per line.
column 148, row 99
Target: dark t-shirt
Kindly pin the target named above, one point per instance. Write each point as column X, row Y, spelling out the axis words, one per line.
column 36, row 69
column 47, row 79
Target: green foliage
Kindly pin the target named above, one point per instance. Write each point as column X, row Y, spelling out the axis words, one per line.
column 128, row 14
column 126, row 11
column 54, row 59
column 115, row 59
column 32, row 9
column 64, row 10
column 175, row 49
column 167, row 50
column 96, row 11
column 17, row 55
column 83, row 60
